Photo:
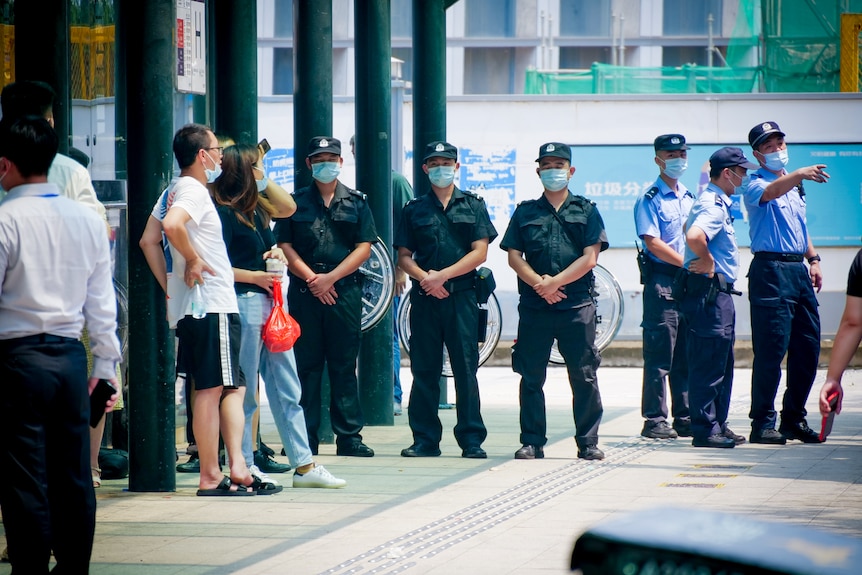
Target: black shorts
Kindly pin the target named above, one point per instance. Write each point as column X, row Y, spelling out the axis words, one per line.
column 209, row 348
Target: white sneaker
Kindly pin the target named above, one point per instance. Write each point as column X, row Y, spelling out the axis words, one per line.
column 317, row 477
column 264, row 478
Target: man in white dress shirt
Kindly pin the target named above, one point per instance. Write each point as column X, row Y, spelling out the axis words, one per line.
column 55, row 275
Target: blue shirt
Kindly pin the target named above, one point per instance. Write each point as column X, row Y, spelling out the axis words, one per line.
column 661, row 214
column 711, row 213
column 777, row 225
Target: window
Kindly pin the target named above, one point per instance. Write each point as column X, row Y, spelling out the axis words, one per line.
column 405, row 54
column 401, row 17
column 489, row 70
column 490, row 18
column 284, row 21
column 282, row 71
column 585, row 18
column 687, row 18
column 582, row 58
column 681, row 55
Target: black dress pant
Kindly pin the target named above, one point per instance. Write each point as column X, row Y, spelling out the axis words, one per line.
column 46, row 490
column 575, row 332
column 330, row 335
column 784, row 321
column 664, row 353
column 453, row 321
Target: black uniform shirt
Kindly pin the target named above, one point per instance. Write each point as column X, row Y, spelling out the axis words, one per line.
column 322, row 235
column 438, row 238
column 245, row 245
column 550, row 248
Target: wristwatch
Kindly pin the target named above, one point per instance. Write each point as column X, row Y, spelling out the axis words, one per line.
column 814, row 258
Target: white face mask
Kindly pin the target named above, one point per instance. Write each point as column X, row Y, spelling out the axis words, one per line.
column 213, row 174
column 554, row 179
column 261, row 184
column 776, row 161
column 674, row 167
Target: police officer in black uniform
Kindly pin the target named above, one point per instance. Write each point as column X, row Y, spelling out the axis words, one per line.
column 554, row 244
column 326, row 241
column 442, row 237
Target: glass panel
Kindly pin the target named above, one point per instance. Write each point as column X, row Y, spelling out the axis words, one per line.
column 582, row 58
column 689, row 17
column 405, row 54
column 401, row 17
column 282, row 71
column 284, row 20
column 490, row 18
column 585, row 18
column 489, row 70
column 681, row 55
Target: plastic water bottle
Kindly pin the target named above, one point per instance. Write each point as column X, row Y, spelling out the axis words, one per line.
column 198, row 308
column 274, row 266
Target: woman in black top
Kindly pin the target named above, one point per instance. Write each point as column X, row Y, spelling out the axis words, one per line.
column 246, row 202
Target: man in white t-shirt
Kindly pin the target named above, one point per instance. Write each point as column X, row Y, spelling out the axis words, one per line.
column 194, row 270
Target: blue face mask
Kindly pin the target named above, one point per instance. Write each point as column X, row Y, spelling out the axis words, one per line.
column 554, row 179
column 743, row 184
column 776, row 161
column 325, row 172
column 674, row 167
column 213, row 174
column 441, row 176
column 261, row 184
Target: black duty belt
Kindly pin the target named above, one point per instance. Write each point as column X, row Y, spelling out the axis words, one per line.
column 461, row 283
column 664, row 268
column 779, row 257
column 38, row 339
column 696, row 283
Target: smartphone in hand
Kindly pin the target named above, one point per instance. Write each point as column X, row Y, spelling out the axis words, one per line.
column 100, row 396
column 264, row 146
column 826, row 427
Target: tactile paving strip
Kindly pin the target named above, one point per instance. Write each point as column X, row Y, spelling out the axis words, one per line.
column 409, row 550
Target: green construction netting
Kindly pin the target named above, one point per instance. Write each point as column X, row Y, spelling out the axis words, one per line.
column 774, row 46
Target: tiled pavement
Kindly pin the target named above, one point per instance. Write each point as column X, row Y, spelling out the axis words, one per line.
column 452, row 515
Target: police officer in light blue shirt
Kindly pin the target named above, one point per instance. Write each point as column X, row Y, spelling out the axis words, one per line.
column 712, row 258
column 784, row 314
column 660, row 212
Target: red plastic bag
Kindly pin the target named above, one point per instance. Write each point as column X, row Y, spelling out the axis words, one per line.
column 280, row 331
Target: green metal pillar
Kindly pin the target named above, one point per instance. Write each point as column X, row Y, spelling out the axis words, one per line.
column 312, row 92
column 374, row 177
column 42, row 53
column 120, row 77
column 429, row 82
column 235, row 48
column 312, row 114
column 150, row 63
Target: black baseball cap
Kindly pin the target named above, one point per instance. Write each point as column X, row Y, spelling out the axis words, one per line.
column 760, row 132
column 670, row 143
column 555, row 150
column 728, row 157
column 324, row 145
column 440, row 150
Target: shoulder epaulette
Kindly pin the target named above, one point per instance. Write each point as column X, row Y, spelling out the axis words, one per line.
column 650, row 194
column 526, row 202
column 471, row 193
column 358, row 194
column 414, row 200
column 584, row 201
column 719, row 201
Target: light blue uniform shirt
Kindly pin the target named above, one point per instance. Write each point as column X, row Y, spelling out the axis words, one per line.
column 711, row 213
column 777, row 225
column 661, row 214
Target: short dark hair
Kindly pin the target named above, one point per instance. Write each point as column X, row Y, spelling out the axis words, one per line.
column 188, row 141
column 27, row 98
column 30, row 143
